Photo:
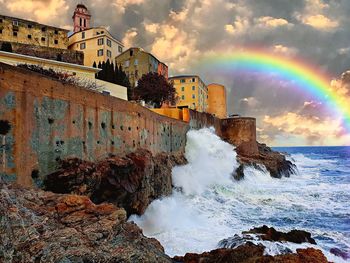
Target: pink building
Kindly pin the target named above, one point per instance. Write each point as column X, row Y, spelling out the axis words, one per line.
column 81, row 18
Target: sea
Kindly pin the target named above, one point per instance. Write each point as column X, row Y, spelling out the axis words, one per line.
column 207, row 205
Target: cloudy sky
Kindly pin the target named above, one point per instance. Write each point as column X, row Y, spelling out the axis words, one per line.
column 181, row 32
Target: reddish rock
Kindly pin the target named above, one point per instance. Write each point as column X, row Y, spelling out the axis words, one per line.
column 132, row 181
column 275, row 162
column 38, row 226
column 251, row 253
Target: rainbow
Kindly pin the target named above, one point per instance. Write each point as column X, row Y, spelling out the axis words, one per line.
column 304, row 76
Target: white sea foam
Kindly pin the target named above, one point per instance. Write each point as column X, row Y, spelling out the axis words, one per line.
column 211, row 206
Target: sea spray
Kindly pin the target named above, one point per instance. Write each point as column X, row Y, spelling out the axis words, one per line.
column 208, row 206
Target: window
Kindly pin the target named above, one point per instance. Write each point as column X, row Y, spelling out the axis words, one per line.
column 183, row 97
column 83, row 35
column 131, row 53
column 56, row 32
column 126, row 63
column 102, row 32
column 43, row 29
column 136, row 74
column 0, row 20
column 100, row 41
column 109, row 53
column 29, row 36
column 182, row 88
column 15, row 22
column 82, row 45
column 0, row 31
column 56, row 42
column 193, row 79
column 100, row 52
column 84, row 22
column 81, row 22
column 136, row 62
column 193, row 88
column 15, row 33
column 182, row 81
column 30, row 26
column 120, row 49
column 43, row 39
column 193, row 96
column 109, row 43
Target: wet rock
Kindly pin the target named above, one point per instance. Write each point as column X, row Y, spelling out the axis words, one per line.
column 340, row 253
column 250, row 253
column 275, row 162
column 270, row 234
column 38, row 226
column 131, row 182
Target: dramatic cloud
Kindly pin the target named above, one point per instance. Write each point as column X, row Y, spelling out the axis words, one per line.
column 180, row 32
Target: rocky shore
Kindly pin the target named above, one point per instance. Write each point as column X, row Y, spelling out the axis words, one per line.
column 274, row 162
column 81, row 215
column 40, row 226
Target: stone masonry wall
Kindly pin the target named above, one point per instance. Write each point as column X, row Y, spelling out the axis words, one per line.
column 43, row 121
column 64, row 55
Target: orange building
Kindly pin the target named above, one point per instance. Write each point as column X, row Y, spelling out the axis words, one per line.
column 217, row 100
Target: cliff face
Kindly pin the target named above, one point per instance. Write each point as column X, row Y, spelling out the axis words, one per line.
column 130, row 181
column 38, row 226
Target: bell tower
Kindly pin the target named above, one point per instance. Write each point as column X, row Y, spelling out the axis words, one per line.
column 81, row 18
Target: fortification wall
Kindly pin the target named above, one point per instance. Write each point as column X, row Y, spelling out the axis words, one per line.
column 65, row 55
column 43, row 121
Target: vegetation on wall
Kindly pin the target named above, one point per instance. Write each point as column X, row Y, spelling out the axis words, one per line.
column 112, row 74
column 63, row 77
column 155, row 89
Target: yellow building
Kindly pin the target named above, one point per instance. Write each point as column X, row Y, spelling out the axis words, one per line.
column 136, row 62
column 97, row 44
column 82, row 72
column 217, row 100
column 31, row 33
column 191, row 91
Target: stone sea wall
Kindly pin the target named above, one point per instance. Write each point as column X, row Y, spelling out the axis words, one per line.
column 43, row 121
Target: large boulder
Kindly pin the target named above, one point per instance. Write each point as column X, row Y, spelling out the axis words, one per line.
column 38, row 226
column 132, row 181
column 275, row 162
column 250, row 253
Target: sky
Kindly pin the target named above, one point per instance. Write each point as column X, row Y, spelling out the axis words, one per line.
column 181, row 32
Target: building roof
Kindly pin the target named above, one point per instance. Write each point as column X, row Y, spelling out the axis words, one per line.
column 81, row 6
column 184, row 76
column 33, row 22
column 98, row 27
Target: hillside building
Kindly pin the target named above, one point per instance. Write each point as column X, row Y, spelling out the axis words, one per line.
column 217, row 100
column 191, row 91
column 16, row 30
column 136, row 62
column 97, row 43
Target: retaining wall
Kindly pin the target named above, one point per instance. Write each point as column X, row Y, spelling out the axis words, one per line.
column 43, row 120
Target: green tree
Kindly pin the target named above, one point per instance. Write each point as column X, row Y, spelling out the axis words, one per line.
column 155, row 89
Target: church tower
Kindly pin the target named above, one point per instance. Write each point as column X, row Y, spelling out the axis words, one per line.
column 81, row 18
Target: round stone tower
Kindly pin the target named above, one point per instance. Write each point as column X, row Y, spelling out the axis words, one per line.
column 217, row 100
column 81, row 18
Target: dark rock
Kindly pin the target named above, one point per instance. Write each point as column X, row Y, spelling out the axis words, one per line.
column 275, row 162
column 131, row 182
column 271, row 234
column 38, row 226
column 251, row 253
column 339, row 253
